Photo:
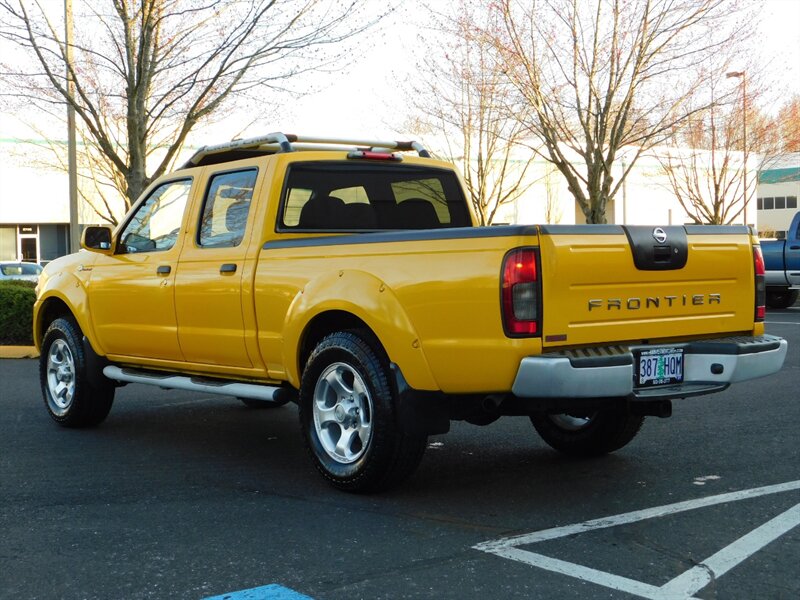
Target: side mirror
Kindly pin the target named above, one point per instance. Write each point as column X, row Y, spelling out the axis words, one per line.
column 96, row 238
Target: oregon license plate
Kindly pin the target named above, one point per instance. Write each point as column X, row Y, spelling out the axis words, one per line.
column 660, row 366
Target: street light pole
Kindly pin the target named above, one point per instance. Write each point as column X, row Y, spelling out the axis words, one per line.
column 743, row 76
column 72, row 167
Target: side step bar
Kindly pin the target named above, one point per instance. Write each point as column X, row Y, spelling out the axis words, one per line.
column 251, row 391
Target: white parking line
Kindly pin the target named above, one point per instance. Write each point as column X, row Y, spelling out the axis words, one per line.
column 682, row 586
column 696, row 578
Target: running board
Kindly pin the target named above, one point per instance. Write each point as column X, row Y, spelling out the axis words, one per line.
column 250, row 391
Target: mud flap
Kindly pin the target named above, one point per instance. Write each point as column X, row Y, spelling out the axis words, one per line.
column 419, row 412
column 95, row 365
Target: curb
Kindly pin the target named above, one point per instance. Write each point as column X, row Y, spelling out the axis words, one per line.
column 18, row 352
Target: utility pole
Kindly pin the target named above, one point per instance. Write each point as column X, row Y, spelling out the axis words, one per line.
column 74, row 228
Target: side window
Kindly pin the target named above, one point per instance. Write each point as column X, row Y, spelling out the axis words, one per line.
column 225, row 209
column 156, row 224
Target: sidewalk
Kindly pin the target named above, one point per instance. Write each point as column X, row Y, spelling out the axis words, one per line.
column 18, row 352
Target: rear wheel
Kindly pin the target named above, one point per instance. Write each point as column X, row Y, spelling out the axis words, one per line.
column 782, row 299
column 347, row 415
column 591, row 434
column 72, row 400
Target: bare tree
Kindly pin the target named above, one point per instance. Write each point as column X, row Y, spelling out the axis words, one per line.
column 704, row 170
column 714, row 155
column 144, row 73
column 599, row 75
column 789, row 124
column 462, row 99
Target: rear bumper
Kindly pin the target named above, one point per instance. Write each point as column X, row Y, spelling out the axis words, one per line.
column 608, row 372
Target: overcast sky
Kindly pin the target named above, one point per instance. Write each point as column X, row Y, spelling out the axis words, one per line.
column 366, row 99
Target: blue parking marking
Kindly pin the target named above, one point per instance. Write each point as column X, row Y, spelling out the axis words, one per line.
column 272, row 591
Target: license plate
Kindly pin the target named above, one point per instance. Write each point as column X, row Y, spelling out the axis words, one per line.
column 660, row 366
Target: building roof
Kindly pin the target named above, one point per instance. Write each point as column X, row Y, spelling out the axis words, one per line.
column 779, row 175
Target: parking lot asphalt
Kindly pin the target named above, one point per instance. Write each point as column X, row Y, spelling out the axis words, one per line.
column 180, row 495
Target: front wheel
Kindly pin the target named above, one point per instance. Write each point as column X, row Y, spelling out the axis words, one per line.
column 347, row 416
column 69, row 394
column 591, row 434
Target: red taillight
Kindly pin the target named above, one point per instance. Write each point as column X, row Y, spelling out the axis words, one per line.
column 520, row 293
column 761, row 286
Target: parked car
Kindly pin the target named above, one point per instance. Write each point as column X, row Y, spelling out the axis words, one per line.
column 782, row 260
column 20, row 270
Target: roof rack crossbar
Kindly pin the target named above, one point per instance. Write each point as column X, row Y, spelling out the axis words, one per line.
column 283, row 143
column 389, row 145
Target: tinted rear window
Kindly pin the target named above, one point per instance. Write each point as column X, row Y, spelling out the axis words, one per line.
column 336, row 196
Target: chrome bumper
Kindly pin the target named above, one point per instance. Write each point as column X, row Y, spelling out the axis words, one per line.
column 608, row 372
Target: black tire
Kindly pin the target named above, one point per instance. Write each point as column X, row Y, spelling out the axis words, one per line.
column 69, row 395
column 782, row 299
column 592, row 435
column 262, row 404
column 347, row 416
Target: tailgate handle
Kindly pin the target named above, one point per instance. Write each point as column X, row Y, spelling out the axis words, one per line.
column 658, row 248
column 662, row 254
column 163, row 270
column 228, row 268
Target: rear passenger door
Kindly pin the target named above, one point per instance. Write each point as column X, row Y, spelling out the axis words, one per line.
column 208, row 287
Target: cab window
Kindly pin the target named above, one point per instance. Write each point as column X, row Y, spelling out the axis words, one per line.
column 349, row 196
column 154, row 227
column 225, row 209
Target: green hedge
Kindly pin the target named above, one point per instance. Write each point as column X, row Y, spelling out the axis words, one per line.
column 16, row 312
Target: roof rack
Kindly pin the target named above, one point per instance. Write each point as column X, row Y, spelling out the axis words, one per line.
column 286, row 142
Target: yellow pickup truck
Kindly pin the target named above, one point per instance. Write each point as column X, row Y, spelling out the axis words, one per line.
column 349, row 276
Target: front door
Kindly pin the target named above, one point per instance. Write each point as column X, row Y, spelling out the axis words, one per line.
column 131, row 292
column 208, row 288
column 28, row 248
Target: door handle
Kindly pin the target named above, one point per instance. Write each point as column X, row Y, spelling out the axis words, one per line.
column 794, row 247
column 164, row 270
column 228, row 268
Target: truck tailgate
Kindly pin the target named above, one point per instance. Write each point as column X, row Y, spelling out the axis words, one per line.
column 611, row 283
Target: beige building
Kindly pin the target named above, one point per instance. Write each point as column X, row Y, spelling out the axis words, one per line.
column 778, row 192
column 34, row 206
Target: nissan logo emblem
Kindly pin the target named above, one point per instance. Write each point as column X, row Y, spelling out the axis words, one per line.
column 659, row 235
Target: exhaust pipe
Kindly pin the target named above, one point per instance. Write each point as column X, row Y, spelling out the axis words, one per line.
column 651, row 408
